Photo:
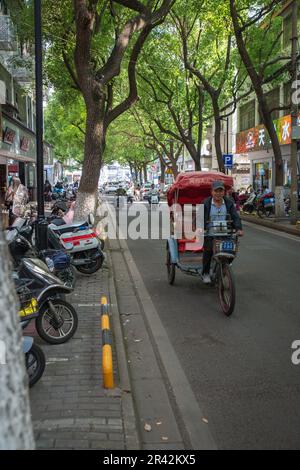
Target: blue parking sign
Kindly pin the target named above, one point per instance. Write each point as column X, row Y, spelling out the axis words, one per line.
column 228, row 160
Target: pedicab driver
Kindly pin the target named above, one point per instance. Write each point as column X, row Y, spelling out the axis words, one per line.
column 217, row 207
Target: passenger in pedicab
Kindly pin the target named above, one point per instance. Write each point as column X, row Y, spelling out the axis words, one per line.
column 217, row 207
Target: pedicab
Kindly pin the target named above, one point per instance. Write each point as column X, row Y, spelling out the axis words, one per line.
column 185, row 247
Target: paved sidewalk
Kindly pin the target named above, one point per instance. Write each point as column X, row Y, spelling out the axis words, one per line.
column 70, row 408
column 283, row 225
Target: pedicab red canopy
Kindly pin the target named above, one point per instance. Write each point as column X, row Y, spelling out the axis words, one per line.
column 195, row 186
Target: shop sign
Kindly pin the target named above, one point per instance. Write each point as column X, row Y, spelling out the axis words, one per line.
column 13, row 168
column 9, row 136
column 240, row 169
column 24, row 144
column 258, row 138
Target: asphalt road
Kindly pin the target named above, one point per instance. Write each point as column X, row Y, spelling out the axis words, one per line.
column 240, row 367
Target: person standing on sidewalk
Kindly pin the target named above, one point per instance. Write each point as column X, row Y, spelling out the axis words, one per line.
column 16, row 199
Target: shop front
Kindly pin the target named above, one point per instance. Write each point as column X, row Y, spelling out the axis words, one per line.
column 256, row 144
column 262, row 176
column 17, row 156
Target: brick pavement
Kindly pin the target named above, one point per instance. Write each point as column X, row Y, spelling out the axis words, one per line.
column 70, row 408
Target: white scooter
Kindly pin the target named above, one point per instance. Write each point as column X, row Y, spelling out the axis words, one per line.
column 80, row 242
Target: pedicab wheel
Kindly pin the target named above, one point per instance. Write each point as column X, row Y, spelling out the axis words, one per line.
column 226, row 289
column 170, row 268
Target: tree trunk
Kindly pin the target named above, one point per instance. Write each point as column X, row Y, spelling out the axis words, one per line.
column 15, row 419
column 195, row 154
column 218, row 147
column 279, row 170
column 163, row 172
column 145, row 172
column 131, row 170
column 93, row 151
column 257, row 82
column 173, row 160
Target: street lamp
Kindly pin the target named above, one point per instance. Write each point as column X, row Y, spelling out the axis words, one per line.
column 41, row 227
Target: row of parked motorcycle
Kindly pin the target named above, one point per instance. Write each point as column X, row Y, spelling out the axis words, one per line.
column 262, row 204
column 43, row 278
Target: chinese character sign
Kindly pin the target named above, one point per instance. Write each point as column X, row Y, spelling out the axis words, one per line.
column 258, row 138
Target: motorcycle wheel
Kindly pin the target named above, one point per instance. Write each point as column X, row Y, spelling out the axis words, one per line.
column 226, row 290
column 68, row 277
column 92, row 267
column 35, row 364
column 261, row 212
column 46, row 326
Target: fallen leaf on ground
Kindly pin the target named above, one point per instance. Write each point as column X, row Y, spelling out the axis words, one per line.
column 147, row 427
column 205, row 420
column 165, row 438
column 159, row 423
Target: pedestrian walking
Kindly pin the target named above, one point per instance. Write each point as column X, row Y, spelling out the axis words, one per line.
column 16, row 199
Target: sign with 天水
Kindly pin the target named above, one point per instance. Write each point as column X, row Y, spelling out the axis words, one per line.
column 258, row 138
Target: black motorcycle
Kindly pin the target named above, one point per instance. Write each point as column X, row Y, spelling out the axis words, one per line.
column 58, row 262
column 55, row 319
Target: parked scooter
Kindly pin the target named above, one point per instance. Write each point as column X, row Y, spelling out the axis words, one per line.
column 80, row 242
column 35, row 360
column 251, row 203
column 34, row 357
column 266, row 205
column 20, row 246
column 55, row 319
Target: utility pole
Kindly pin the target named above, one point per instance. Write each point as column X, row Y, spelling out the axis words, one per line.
column 42, row 225
column 294, row 114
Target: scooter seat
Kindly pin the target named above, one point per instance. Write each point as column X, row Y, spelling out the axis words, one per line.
column 68, row 227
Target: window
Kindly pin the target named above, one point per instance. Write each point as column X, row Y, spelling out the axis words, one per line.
column 287, row 30
column 273, row 101
column 3, row 7
column 247, row 116
column 287, row 96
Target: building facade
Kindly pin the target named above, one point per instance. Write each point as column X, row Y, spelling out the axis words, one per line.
column 17, row 116
column 244, row 135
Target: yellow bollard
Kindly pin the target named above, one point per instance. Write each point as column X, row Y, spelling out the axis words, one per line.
column 105, row 322
column 107, row 366
column 107, row 362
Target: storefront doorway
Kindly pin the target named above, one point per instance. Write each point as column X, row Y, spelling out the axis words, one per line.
column 262, row 176
column 3, row 183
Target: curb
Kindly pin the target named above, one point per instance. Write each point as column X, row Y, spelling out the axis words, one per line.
column 272, row 225
column 132, row 440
